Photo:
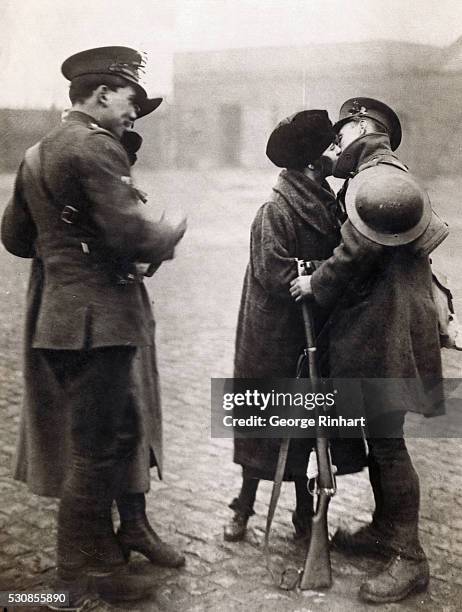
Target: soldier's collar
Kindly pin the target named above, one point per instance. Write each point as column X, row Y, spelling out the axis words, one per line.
column 75, row 115
column 88, row 120
column 359, row 151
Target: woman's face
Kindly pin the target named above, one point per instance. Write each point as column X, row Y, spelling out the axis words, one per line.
column 332, row 151
column 329, row 158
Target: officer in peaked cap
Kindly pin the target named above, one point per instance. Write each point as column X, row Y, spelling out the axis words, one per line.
column 383, row 325
column 118, row 61
column 357, row 108
column 90, row 367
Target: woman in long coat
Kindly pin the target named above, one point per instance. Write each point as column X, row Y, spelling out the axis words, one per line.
column 298, row 221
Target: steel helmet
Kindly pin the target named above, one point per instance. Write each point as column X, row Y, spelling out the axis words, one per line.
column 387, row 205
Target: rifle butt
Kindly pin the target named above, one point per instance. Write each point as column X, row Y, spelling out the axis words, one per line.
column 317, row 573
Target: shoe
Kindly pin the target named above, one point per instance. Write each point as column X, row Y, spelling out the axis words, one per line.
column 368, row 540
column 120, row 586
column 123, row 586
column 79, row 590
column 302, row 526
column 400, row 578
column 235, row 530
column 138, row 535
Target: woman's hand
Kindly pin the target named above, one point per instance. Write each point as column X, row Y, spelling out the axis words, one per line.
column 300, row 288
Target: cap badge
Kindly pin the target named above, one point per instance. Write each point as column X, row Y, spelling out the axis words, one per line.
column 131, row 69
column 357, row 108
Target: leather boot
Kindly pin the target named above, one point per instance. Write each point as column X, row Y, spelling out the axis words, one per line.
column 121, row 586
column 138, row 535
column 236, row 529
column 135, row 533
column 242, row 505
column 368, row 540
column 397, row 580
column 86, row 547
column 124, row 586
column 80, row 592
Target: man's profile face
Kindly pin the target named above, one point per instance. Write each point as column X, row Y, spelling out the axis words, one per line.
column 120, row 110
column 348, row 133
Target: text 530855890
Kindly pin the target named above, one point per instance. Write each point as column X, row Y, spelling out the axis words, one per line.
column 13, row 598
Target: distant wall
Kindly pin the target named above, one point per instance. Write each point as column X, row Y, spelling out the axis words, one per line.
column 428, row 104
column 225, row 120
column 20, row 129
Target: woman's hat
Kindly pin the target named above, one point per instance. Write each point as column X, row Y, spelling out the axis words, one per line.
column 300, row 139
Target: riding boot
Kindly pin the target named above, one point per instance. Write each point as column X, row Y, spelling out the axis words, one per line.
column 135, row 533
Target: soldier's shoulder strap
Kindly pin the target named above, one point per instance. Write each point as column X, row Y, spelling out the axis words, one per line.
column 385, row 160
column 33, row 160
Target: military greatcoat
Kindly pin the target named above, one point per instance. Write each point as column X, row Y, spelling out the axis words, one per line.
column 76, row 300
column 383, row 321
column 297, row 221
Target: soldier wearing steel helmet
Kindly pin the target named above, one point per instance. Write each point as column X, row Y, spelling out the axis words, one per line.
column 76, row 212
column 383, row 324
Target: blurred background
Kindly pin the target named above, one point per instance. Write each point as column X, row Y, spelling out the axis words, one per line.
column 229, row 70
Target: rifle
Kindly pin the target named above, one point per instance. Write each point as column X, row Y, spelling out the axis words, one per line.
column 317, row 571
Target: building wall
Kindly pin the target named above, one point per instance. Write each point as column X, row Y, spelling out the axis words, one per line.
column 427, row 104
column 225, row 118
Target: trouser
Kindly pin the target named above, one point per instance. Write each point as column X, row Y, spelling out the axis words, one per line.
column 246, row 499
column 96, row 391
column 395, row 485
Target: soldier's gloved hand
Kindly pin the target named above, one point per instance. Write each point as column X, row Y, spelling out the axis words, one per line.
column 300, row 288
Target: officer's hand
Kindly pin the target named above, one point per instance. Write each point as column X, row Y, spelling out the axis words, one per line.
column 300, row 288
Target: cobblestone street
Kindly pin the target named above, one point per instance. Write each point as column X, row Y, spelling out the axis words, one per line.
column 196, row 303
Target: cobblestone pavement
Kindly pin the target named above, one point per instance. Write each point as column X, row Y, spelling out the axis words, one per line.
column 196, row 301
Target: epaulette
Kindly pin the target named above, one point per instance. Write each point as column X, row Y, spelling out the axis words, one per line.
column 380, row 160
column 396, row 163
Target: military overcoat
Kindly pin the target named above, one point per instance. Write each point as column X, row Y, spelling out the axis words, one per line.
column 76, row 300
column 297, row 221
column 383, row 321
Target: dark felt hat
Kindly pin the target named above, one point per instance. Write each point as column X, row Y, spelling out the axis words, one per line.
column 123, row 62
column 374, row 109
column 300, row 139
